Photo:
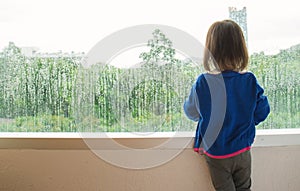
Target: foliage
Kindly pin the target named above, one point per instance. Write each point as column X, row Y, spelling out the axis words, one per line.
column 161, row 50
column 56, row 93
column 36, row 85
column 280, row 76
column 47, row 123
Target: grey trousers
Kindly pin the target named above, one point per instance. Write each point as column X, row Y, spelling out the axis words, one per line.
column 231, row 174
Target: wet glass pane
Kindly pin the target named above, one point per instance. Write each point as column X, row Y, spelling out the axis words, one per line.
column 56, row 92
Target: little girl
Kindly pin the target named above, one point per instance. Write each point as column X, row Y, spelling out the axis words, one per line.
column 227, row 102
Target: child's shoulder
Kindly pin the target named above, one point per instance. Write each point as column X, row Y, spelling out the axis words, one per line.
column 243, row 74
column 248, row 74
column 202, row 77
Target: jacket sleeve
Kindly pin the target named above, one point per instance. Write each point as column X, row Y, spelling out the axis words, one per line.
column 198, row 138
column 262, row 109
column 191, row 105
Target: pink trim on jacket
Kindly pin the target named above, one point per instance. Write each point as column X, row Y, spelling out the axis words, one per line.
column 228, row 155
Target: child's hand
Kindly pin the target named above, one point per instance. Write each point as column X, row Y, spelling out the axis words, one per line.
column 199, row 151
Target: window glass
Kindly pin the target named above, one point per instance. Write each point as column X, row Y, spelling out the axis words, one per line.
column 45, row 86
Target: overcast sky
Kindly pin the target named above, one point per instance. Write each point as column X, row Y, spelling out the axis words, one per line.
column 78, row 25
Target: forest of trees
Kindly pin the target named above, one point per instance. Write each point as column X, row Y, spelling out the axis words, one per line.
column 280, row 76
column 56, row 93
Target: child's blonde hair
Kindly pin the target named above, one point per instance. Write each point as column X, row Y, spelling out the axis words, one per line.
column 225, row 47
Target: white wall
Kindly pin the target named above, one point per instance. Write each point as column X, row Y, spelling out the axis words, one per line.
column 67, row 164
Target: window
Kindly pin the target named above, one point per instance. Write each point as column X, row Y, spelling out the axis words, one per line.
column 49, row 90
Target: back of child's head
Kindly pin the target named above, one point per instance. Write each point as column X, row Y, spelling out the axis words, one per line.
column 225, row 47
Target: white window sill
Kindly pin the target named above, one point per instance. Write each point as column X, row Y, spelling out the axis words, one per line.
column 24, row 140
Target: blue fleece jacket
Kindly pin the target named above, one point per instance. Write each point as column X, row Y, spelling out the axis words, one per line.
column 227, row 107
